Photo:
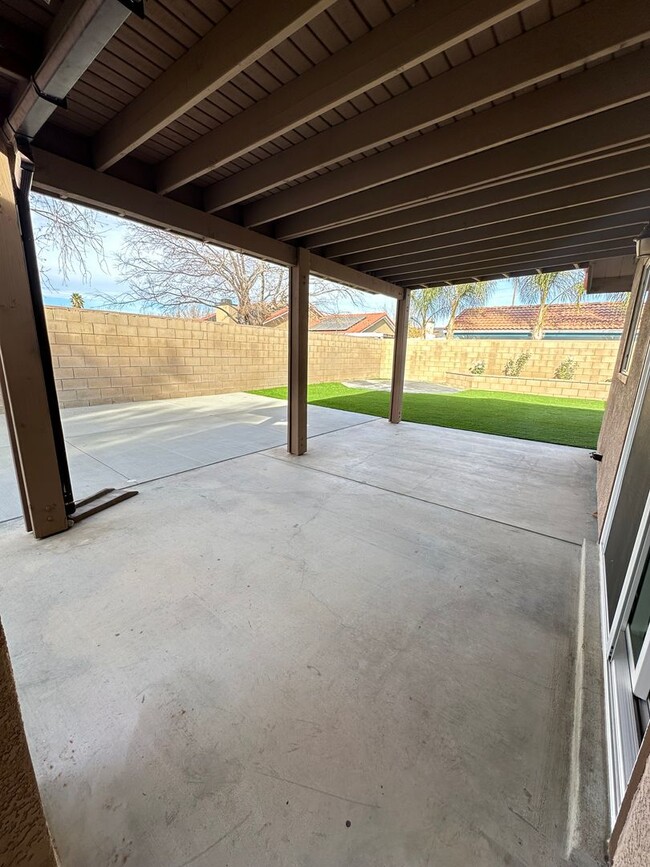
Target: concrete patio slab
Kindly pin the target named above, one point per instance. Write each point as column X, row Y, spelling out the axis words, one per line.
column 410, row 386
column 266, row 662
column 120, row 444
column 541, row 487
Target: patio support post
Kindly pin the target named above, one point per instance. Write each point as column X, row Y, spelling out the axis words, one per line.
column 399, row 358
column 21, row 369
column 298, row 353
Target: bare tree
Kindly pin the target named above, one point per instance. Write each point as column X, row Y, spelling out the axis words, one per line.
column 173, row 274
column 72, row 233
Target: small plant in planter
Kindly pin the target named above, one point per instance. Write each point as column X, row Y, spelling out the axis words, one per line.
column 477, row 368
column 566, row 369
column 515, row 365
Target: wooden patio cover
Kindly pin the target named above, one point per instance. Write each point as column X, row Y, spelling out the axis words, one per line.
column 384, row 144
column 414, row 142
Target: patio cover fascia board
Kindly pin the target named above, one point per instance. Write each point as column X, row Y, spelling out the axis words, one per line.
column 62, row 177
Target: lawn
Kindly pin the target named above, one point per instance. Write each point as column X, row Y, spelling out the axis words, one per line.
column 566, row 421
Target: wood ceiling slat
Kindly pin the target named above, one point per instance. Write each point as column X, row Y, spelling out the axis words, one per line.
column 349, row 21
column 536, row 15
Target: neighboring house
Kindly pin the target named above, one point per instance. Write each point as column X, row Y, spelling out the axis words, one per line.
column 225, row 312
column 589, row 321
column 357, row 324
column 281, row 317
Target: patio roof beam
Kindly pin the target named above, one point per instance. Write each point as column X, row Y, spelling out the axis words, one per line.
column 577, row 37
column 527, row 248
column 20, row 51
column 557, row 224
column 577, row 142
column 58, row 176
column 596, row 90
column 554, row 261
column 418, row 32
column 76, row 36
column 553, row 208
column 339, row 273
column 410, row 223
column 249, row 31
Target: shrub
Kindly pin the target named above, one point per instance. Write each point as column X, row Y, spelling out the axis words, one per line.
column 477, row 368
column 566, row 369
column 515, row 365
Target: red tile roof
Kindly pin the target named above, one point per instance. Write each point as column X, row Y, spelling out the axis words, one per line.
column 351, row 323
column 589, row 316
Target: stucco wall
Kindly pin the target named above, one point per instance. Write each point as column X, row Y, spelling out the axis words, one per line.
column 633, row 849
column 619, row 409
column 24, row 836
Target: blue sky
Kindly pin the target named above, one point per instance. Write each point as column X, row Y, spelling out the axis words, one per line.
column 105, row 281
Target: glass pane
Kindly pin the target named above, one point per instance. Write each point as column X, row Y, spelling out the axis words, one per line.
column 640, row 617
column 635, row 324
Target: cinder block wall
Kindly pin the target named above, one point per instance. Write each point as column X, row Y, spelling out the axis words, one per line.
column 102, row 357
column 529, row 385
column 429, row 360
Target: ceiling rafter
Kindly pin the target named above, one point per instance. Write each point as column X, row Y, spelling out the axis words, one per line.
column 584, row 34
column 410, row 37
column 410, row 223
column 536, row 240
column 248, row 32
column 539, row 152
column 559, row 220
column 596, row 90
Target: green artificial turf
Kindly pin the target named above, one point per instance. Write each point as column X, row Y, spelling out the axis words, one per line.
column 567, row 421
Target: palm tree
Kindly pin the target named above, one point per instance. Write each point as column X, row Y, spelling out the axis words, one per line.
column 558, row 287
column 463, row 296
column 427, row 304
column 76, row 299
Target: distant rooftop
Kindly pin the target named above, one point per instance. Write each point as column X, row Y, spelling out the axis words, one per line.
column 592, row 316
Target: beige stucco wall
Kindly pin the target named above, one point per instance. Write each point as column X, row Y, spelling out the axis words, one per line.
column 24, row 836
column 102, row 357
column 619, row 409
column 633, row 849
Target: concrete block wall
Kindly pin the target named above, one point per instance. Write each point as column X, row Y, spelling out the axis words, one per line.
column 102, row 357
column 430, row 360
column 530, row 385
